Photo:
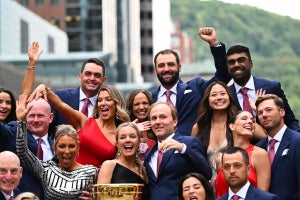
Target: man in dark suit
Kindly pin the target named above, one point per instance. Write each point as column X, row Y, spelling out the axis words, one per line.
column 235, row 162
column 283, row 146
column 174, row 156
column 239, row 65
column 187, row 96
column 38, row 120
column 91, row 77
column 10, row 174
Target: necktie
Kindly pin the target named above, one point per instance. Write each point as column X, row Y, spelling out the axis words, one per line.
column 11, row 198
column 235, row 197
column 159, row 158
column 39, row 151
column 85, row 106
column 168, row 94
column 246, row 104
column 272, row 149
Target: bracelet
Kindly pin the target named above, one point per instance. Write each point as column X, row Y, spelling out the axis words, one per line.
column 31, row 68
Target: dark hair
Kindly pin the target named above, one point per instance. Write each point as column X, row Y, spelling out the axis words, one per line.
column 232, row 150
column 167, row 51
column 12, row 115
column 130, row 99
column 205, row 115
column 205, row 183
column 239, row 49
column 277, row 100
column 96, row 61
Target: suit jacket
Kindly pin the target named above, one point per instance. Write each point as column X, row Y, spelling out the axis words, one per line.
column 71, row 97
column 273, row 87
column 2, row 197
column 285, row 169
column 28, row 182
column 254, row 194
column 190, row 94
column 174, row 166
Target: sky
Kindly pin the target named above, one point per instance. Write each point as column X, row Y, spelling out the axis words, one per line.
column 281, row 7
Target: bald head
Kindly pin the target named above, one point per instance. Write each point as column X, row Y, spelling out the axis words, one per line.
column 40, row 103
column 10, row 171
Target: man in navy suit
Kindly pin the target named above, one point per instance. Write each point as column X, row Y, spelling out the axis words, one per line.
column 285, row 153
column 10, row 174
column 178, row 155
column 239, row 65
column 38, row 119
column 91, row 77
column 235, row 162
column 187, row 96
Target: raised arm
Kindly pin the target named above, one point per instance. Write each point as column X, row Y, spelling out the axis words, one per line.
column 27, row 157
column 33, row 57
column 74, row 117
column 218, row 50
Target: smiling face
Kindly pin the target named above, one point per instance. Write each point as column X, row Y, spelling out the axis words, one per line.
column 91, row 79
column 162, row 122
column 167, row 70
column 140, row 107
column 239, row 67
column 106, row 106
column 66, row 149
column 10, row 172
column 39, row 117
column 244, row 125
column 5, row 105
column 128, row 141
column 218, row 98
column 193, row 189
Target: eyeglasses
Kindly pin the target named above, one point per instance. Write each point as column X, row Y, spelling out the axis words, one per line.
column 239, row 60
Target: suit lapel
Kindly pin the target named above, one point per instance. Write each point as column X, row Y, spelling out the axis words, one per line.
column 181, row 86
column 285, row 141
column 151, row 173
column 233, row 92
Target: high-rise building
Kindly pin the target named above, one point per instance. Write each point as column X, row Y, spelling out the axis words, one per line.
column 132, row 30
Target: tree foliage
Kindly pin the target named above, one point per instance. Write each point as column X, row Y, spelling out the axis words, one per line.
column 273, row 39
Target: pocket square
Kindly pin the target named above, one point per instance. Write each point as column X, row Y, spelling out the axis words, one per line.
column 187, row 91
column 285, row 152
column 176, row 151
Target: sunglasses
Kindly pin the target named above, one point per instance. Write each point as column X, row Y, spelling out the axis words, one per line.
column 239, row 60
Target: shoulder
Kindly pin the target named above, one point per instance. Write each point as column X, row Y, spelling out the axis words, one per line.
column 109, row 164
column 263, row 194
column 258, row 151
column 264, row 80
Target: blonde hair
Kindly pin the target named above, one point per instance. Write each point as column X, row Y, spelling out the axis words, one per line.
column 26, row 196
column 64, row 129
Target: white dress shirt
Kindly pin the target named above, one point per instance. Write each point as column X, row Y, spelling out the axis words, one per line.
column 91, row 106
column 46, row 147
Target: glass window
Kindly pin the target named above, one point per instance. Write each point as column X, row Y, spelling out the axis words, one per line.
column 39, row 2
column 24, row 36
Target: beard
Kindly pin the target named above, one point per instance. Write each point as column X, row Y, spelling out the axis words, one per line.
column 170, row 82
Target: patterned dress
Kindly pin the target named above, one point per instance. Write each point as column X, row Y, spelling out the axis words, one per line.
column 56, row 183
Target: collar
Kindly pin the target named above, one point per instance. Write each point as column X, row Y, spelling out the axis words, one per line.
column 242, row 192
column 82, row 96
column 45, row 137
column 279, row 135
column 6, row 196
column 162, row 90
column 249, row 85
column 168, row 138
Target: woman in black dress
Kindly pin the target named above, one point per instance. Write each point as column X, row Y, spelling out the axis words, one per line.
column 126, row 168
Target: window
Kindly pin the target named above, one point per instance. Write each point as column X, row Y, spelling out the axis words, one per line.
column 24, row 36
column 39, row 2
column 54, row 2
column 50, row 45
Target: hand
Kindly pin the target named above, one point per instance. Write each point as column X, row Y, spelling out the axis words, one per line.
column 86, row 195
column 167, row 145
column 33, row 54
column 259, row 93
column 209, row 35
column 39, row 92
column 143, row 126
column 21, row 110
